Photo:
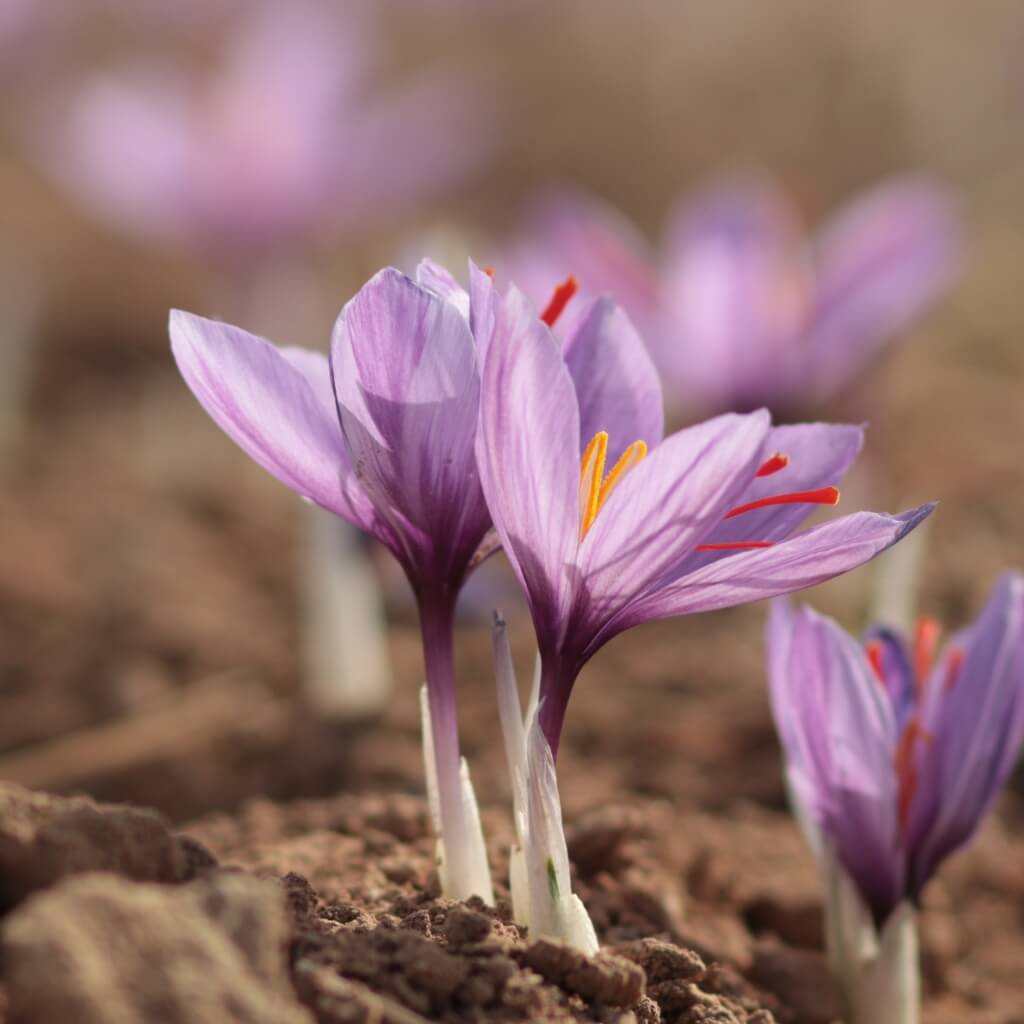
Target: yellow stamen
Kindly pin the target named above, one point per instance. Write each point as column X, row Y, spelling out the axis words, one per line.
column 591, row 474
column 631, row 457
column 595, row 487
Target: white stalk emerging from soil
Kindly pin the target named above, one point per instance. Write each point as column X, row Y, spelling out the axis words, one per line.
column 461, row 852
column 464, row 872
column 877, row 971
column 542, row 896
column 346, row 668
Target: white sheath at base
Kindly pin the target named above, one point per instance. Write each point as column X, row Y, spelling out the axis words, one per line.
column 347, row 673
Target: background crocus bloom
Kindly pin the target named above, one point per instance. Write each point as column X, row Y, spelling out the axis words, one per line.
column 740, row 309
column 608, row 525
column 382, row 435
column 894, row 755
column 282, row 144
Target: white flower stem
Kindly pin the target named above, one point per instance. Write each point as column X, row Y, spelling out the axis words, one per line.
column 542, row 897
column 877, row 972
column 462, row 853
column 346, row 665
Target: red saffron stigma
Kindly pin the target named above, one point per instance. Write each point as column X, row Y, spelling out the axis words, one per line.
column 773, row 464
column 559, row 300
column 822, row 496
column 906, row 769
column 956, row 661
column 489, row 271
column 874, row 652
column 738, row 545
column 926, row 636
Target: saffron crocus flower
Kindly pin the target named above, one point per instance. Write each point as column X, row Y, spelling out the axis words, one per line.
column 608, row 525
column 894, row 754
column 382, row 435
column 740, row 308
column 283, row 144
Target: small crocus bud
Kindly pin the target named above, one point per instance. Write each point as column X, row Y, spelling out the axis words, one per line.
column 895, row 750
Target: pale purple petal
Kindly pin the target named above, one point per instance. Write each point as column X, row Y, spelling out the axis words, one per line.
column 736, row 296
column 786, row 690
column 898, row 676
column 663, row 508
column 819, row 454
column 273, row 410
column 841, row 737
column 441, row 281
column 617, row 385
column 406, row 379
column 484, row 303
column 802, row 561
column 880, row 263
column 974, row 721
column 528, row 454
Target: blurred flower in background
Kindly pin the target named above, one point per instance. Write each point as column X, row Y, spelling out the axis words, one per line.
column 739, row 307
column 281, row 145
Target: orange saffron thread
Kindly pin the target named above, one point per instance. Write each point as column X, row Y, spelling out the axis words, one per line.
column 874, row 652
column 773, row 464
column 559, row 300
column 926, row 637
column 821, row 496
column 956, row 662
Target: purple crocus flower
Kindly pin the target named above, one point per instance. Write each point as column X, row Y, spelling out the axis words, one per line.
column 894, row 755
column 688, row 523
column 382, row 435
column 283, row 144
column 740, row 308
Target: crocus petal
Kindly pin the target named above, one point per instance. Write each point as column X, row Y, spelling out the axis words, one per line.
column 271, row 403
column 617, row 385
column 528, row 455
column 441, row 281
column 802, row 561
column 663, row 508
column 819, row 454
column 483, row 308
column 897, row 669
column 405, row 376
column 840, row 740
column 786, row 690
column 736, row 294
column 880, row 263
column 975, row 720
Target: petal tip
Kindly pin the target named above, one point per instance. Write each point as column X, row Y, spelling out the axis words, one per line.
column 912, row 519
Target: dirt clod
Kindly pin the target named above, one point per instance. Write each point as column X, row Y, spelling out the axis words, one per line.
column 604, row 978
column 44, row 838
column 209, row 951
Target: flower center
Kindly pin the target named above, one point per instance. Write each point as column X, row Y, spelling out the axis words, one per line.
column 926, row 638
column 595, row 485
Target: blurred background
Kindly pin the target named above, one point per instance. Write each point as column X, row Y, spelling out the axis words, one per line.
column 257, row 161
